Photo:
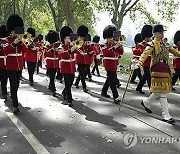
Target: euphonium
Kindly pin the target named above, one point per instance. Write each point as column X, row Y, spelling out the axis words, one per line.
column 78, row 43
column 26, row 38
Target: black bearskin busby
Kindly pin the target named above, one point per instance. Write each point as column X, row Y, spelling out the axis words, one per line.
column 146, row 31
column 40, row 36
column 108, row 31
column 88, row 37
column 65, row 31
column 14, row 21
column 138, row 38
column 96, row 39
column 177, row 37
column 52, row 36
column 82, row 31
column 158, row 28
column 31, row 31
column 3, row 31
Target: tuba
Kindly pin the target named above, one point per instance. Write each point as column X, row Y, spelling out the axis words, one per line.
column 76, row 41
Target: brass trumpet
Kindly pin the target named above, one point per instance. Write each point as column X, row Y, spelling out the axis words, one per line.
column 26, row 38
column 78, row 43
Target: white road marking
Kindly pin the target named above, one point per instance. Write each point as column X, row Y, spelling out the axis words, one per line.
column 33, row 141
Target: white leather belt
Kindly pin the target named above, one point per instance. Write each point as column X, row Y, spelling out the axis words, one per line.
column 83, row 53
column 15, row 54
column 111, row 58
column 68, row 60
column 49, row 58
column 134, row 56
column 3, row 57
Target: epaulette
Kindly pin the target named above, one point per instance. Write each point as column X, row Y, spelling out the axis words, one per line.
column 150, row 44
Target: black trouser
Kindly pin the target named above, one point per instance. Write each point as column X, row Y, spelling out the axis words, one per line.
column 3, row 76
column 136, row 72
column 14, row 78
column 96, row 63
column 81, row 76
column 52, row 74
column 87, row 70
column 59, row 76
column 111, row 82
column 68, row 79
column 117, row 80
column 146, row 77
column 175, row 76
column 31, row 68
column 38, row 64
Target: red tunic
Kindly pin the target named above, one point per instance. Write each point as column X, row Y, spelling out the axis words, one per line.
column 141, row 46
column 110, row 59
column 3, row 44
column 136, row 53
column 67, row 61
column 81, row 57
column 14, row 55
column 51, row 58
column 176, row 60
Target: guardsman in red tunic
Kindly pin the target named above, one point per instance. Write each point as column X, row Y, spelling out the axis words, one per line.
column 33, row 48
column 81, row 59
column 89, row 56
column 67, row 63
column 52, row 58
column 97, row 49
column 14, row 52
column 40, row 54
column 146, row 34
column 111, row 52
column 136, row 54
column 176, row 60
column 3, row 72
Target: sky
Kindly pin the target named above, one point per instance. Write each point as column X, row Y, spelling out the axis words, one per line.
column 129, row 28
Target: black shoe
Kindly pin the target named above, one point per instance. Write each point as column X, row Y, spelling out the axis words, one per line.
column 90, row 80
column 85, row 90
column 92, row 73
column 170, row 121
column 99, row 75
column 15, row 110
column 133, row 82
column 70, row 104
column 54, row 94
column 61, row 81
column 105, row 95
column 173, row 88
column 117, row 100
column 76, row 86
column 31, row 83
column 140, row 91
column 147, row 109
column 4, row 97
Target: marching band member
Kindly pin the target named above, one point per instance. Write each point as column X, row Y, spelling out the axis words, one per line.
column 176, row 60
column 146, row 34
column 97, row 49
column 136, row 54
column 111, row 52
column 67, row 63
column 14, row 63
column 81, row 59
column 160, row 72
column 51, row 58
column 3, row 72
column 89, row 56
column 33, row 48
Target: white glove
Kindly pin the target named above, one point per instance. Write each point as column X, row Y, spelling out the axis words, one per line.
column 134, row 67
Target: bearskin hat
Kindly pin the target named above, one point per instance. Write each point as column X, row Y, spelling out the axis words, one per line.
column 3, row 31
column 82, row 31
column 177, row 37
column 108, row 31
column 31, row 31
column 158, row 28
column 88, row 37
column 14, row 21
column 146, row 31
column 138, row 38
column 96, row 39
column 65, row 31
column 52, row 36
column 40, row 37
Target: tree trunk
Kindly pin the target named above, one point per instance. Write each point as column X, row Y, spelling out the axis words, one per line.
column 24, row 10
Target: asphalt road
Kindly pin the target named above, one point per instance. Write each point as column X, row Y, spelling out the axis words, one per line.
column 94, row 125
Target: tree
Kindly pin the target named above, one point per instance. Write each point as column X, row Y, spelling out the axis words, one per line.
column 121, row 8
